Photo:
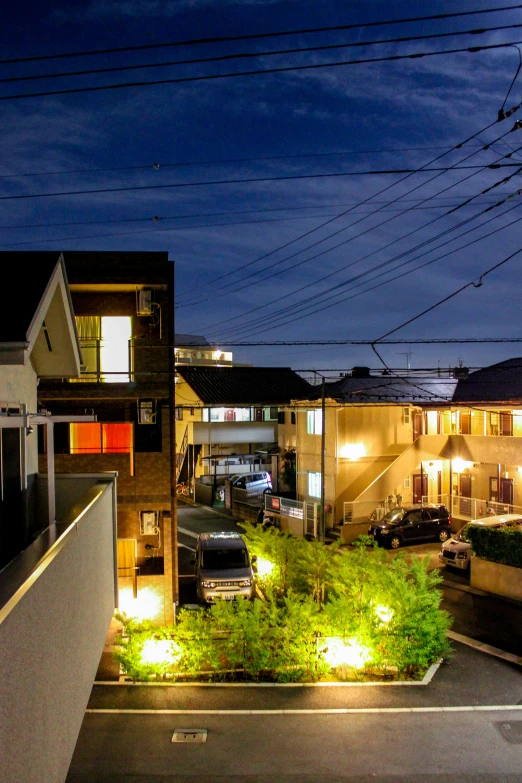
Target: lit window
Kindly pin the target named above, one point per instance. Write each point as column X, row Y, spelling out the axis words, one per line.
column 116, row 332
column 314, row 422
column 95, row 438
column 314, row 485
column 106, row 348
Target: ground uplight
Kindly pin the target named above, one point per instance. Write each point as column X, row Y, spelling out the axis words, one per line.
column 264, row 567
column 383, row 613
column 159, row 651
column 145, row 607
column 348, row 652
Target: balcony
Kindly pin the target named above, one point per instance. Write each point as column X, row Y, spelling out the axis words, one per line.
column 106, row 362
column 56, row 602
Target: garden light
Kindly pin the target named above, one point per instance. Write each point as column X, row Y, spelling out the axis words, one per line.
column 160, row 651
column 146, row 606
column 383, row 613
column 264, row 567
column 349, row 653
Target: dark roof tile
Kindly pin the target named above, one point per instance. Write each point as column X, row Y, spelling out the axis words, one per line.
column 245, row 385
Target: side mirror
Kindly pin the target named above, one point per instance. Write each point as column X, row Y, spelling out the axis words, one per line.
column 254, row 558
column 192, row 562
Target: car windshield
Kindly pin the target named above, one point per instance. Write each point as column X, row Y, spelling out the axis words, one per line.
column 462, row 535
column 223, row 559
column 395, row 515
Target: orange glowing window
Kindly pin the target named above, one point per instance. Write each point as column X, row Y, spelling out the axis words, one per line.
column 95, row 438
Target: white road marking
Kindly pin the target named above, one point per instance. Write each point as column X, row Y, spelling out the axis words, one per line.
column 326, row 711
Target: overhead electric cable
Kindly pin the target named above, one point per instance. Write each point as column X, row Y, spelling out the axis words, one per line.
column 342, row 296
column 450, row 296
column 348, row 240
column 218, row 162
column 250, row 36
column 281, row 178
column 244, row 55
column 263, row 257
column 258, row 72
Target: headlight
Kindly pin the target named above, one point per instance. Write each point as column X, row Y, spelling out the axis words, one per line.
column 384, row 532
column 208, row 584
column 245, row 583
column 461, row 556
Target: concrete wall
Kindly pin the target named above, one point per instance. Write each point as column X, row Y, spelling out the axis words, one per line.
column 52, row 634
column 496, row 578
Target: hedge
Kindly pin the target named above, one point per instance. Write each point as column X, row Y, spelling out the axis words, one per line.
column 500, row 545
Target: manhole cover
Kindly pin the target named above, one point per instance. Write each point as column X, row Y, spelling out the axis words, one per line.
column 511, row 731
column 189, row 735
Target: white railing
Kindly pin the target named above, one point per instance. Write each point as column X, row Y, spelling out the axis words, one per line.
column 477, row 508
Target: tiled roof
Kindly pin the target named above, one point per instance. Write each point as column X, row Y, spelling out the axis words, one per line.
column 25, row 276
column 501, row 382
column 389, row 388
column 183, row 340
column 245, row 385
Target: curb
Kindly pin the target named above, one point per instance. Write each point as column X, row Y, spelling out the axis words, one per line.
column 485, row 648
column 425, row 681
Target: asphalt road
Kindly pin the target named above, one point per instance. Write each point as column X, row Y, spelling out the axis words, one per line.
column 435, row 747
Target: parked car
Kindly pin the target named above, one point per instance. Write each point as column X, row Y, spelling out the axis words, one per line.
column 223, row 567
column 405, row 524
column 456, row 552
column 254, row 483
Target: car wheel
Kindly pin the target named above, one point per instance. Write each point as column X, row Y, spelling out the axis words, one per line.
column 443, row 536
column 395, row 542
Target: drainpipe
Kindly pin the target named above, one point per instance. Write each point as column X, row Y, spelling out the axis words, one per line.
column 451, row 487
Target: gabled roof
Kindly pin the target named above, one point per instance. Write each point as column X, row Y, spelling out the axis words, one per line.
column 390, row 389
column 185, row 340
column 37, row 320
column 245, row 385
column 501, row 383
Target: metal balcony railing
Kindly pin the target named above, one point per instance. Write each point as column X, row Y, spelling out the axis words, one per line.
column 106, row 362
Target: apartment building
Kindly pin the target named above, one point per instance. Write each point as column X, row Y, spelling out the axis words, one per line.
column 123, row 304
column 395, row 439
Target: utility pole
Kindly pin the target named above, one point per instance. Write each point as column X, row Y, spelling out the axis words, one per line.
column 322, row 524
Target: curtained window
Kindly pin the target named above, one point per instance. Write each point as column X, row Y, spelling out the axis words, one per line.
column 96, row 438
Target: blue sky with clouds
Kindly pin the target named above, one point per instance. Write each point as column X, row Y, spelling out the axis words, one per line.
column 252, row 260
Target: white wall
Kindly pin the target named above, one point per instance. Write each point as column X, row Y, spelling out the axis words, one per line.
column 51, row 640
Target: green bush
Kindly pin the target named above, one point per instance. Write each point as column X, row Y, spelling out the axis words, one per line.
column 500, row 545
column 318, row 601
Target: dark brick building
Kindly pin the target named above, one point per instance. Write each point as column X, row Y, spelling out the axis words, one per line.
column 123, row 303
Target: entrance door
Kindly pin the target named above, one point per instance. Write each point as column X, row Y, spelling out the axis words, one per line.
column 465, row 494
column 420, row 486
column 506, row 423
column 465, row 422
column 506, row 493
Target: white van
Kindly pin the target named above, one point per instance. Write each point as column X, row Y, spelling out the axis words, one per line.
column 254, row 483
column 456, row 551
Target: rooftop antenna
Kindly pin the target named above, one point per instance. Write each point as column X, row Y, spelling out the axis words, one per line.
column 408, row 355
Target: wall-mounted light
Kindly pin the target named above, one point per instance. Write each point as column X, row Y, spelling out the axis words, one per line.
column 460, row 465
column 352, row 451
column 29, row 430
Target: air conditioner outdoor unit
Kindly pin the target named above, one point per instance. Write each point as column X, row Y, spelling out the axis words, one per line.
column 148, row 523
column 146, row 412
column 145, row 302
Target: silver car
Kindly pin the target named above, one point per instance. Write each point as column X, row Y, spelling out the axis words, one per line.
column 456, row 552
column 223, row 568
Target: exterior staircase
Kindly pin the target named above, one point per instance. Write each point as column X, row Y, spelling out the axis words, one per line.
column 181, row 454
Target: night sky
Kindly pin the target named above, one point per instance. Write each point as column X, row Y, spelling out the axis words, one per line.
column 254, row 261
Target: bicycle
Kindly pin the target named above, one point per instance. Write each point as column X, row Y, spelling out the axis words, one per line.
column 183, row 488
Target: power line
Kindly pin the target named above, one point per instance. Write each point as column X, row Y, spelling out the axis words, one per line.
column 260, row 323
column 244, row 55
column 338, row 245
column 250, row 36
column 281, row 178
column 218, row 162
column 257, row 72
column 450, row 296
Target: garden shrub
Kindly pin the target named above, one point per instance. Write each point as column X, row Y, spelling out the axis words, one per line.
column 315, row 597
column 500, row 545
